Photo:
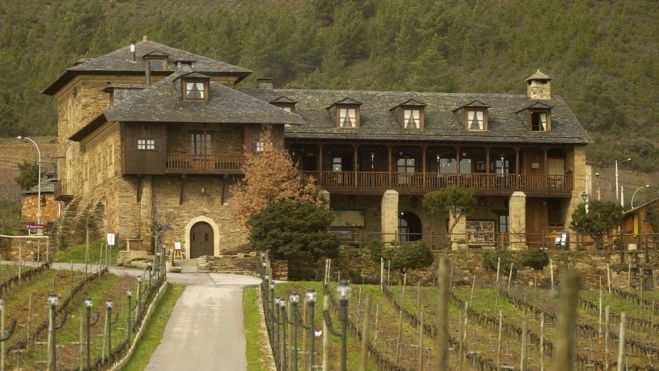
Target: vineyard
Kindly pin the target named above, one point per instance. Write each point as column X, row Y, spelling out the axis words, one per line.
column 490, row 327
column 112, row 323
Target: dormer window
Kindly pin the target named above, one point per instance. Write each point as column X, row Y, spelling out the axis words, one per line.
column 539, row 121
column 347, row 113
column 156, row 60
column 347, row 117
column 410, row 114
column 194, row 86
column 537, row 116
column 474, row 116
column 412, row 118
column 475, row 120
column 194, row 90
column 285, row 103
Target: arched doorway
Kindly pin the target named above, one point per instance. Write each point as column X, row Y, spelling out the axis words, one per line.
column 409, row 227
column 201, row 240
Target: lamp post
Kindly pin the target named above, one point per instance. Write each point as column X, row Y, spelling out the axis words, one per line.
column 108, row 308
column 310, row 297
column 597, row 176
column 343, row 294
column 638, row 189
column 88, row 308
column 294, row 298
column 617, row 183
column 129, row 296
column 52, row 359
column 39, row 177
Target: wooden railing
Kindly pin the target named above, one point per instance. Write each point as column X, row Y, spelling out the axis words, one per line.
column 204, row 163
column 421, row 182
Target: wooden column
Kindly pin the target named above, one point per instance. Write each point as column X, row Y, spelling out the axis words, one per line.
column 389, row 163
column 545, row 170
column 517, row 160
column 487, row 160
column 457, row 159
column 320, row 157
column 424, row 149
column 355, row 165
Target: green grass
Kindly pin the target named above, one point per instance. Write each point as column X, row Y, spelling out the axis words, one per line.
column 76, row 254
column 256, row 359
column 154, row 329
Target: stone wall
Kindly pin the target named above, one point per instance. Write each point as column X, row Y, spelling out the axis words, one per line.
column 49, row 208
column 576, row 164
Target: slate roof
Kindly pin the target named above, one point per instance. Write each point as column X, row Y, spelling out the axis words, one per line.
column 161, row 103
column 47, row 186
column 441, row 123
column 538, row 75
column 121, row 61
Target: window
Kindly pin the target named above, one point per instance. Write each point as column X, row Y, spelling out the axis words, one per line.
column 539, row 121
column 503, row 223
column 146, row 144
column 475, row 120
column 194, row 90
column 201, row 144
column 157, row 64
column 412, row 119
column 347, row 117
column 554, row 212
column 259, row 146
column 337, row 164
column 287, row 108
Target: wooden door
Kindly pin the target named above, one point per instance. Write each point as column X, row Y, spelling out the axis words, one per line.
column 201, row 240
column 534, row 162
column 536, row 221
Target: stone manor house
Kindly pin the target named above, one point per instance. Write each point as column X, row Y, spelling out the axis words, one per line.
column 150, row 133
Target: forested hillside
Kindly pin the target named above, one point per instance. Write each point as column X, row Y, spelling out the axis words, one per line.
column 601, row 54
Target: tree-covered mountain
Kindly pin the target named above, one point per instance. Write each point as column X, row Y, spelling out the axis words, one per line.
column 601, row 54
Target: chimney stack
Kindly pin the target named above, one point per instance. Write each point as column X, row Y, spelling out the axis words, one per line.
column 132, row 49
column 264, row 83
column 538, row 86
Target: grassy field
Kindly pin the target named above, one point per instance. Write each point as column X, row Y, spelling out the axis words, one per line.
column 155, row 329
column 388, row 324
column 76, row 254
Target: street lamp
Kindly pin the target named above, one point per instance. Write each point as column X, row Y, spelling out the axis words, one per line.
column 52, row 360
column 343, row 294
column 294, row 298
column 638, row 189
column 39, row 177
column 597, row 176
column 108, row 308
column 617, row 183
column 310, row 297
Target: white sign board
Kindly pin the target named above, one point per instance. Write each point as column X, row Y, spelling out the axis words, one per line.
column 110, row 239
column 177, row 245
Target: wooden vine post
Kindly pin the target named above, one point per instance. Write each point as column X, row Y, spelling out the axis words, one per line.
column 442, row 316
column 365, row 335
column 607, row 360
column 567, row 322
column 621, row 342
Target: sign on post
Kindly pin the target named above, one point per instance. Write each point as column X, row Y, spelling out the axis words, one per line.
column 34, row 226
column 177, row 245
column 110, row 239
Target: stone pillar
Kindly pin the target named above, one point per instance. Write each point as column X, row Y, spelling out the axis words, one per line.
column 517, row 221
column 459, row 233
column 389, row 216
column 146, row 213
column 578, row 183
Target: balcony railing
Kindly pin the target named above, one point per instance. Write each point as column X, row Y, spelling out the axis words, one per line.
column 423, row 182
column 182, row 163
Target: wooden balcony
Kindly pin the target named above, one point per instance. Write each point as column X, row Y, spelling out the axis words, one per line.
column 364, row 182
column 203, row 164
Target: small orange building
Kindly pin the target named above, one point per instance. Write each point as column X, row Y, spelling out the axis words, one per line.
column 638, row 219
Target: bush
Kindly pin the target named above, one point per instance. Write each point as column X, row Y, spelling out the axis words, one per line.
column 377, row 251
column 410, row 255
column 535, row 258
column 490, row 259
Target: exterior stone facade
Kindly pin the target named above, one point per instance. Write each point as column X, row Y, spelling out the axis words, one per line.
column 49, row 208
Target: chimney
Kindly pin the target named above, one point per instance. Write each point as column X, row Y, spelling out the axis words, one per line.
column 264, row 83
column 132, row 49
column 538, row 86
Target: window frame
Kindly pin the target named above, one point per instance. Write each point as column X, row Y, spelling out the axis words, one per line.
column 530, row 114
column 184, row 89
column 146, row 144
column 347, row 107
column 201, row 144
column 475, row 110
column 404, row 109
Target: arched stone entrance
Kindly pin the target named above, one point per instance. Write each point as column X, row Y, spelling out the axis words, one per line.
column 409, row 227
column 202, row 237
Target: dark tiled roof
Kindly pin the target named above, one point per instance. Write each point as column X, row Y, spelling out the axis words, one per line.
column 121, row 61
column 161, row 103
column 411, row 103
column 47, row 186
column 441, row 123
column 283, row 99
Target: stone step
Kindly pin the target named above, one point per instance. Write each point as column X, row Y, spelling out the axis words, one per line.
column 187, row 266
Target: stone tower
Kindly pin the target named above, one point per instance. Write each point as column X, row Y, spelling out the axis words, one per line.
column 538, row 86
